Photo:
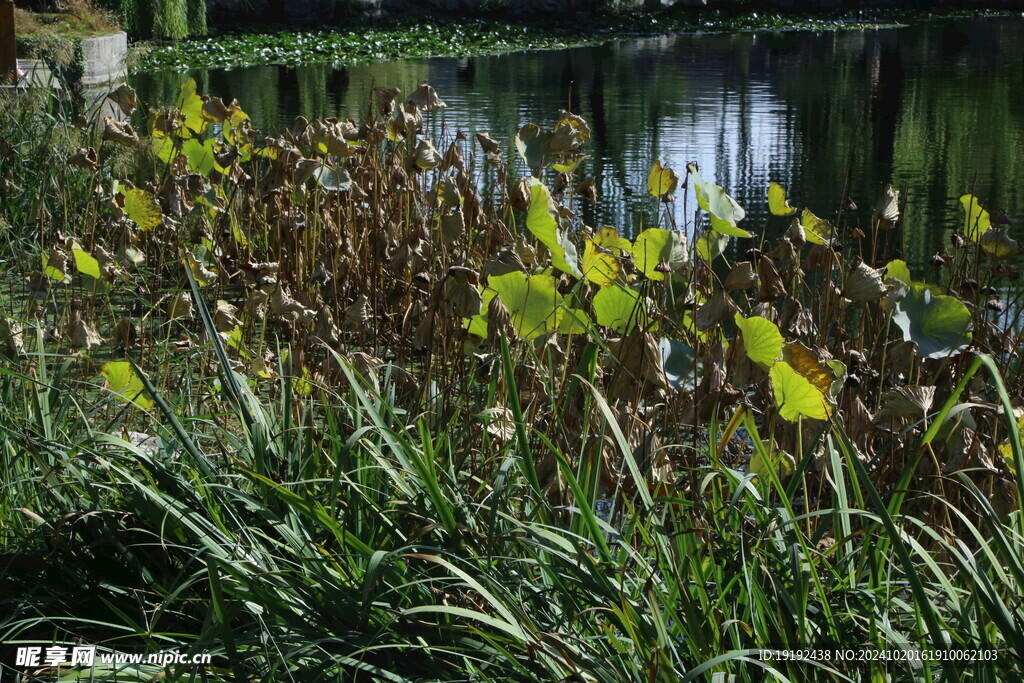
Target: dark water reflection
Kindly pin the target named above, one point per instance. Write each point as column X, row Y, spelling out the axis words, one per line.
column 933, row 108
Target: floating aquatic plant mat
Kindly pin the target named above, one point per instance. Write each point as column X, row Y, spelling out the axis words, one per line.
column 420, row 261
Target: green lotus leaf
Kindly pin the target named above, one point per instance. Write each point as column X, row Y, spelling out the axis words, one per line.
column 655, row 246
column 940, row 325
column 998, row 244
column 85, row 263
column 662, row 181
column 142, row 208
column 608, row 238
column 574, row 321
column 199, row 155
column 777, row 202
column 569, row 165
column 190, row 105
column 725, row 212
column 796, row 396
column 620, row 308
column 123, row 381
column 542, row 221
column 711, row 245
column 976, row 219
column 533, row 302
column 898, row 270
column 761, row 339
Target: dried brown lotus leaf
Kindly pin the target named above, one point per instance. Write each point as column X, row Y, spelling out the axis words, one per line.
column 281, row 303
column 423, row 336
column 126, row 333
column 325, row 331
column 81, row 335
column 426, row 98
column 519, row 196
column 83, row 158
column 820, row 256
column 570, row 132
column 506, row 261
column 864, row 283
column 900, row 357
column 453, row 158
column 453, row 226
column 385, row 98
column 448, row 194
column 796, row 233
column 741, row 276
column 357, row 315
column 488, row 144
column 587, row 189
column 120, row 132
column 910, row 401
column 180, row 306
column 125, row 99
column 460, row 294
column 224, row 317
column 499, row 322
column 772, row 286
column 426, row 157
column 12, row 337
column 718, row 308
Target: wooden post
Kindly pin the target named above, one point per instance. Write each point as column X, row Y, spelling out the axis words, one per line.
column 8, row 54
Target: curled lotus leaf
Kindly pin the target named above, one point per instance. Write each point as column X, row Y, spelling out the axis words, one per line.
column 976, row 219
column 426, row 98
column 888, row 207
column 998, row 244
column 826, row 376
column 569, row 134
column 711, row 245
column 125, row 98
column 909, row 401
column 864, row 283
column 190, row 104
column 533, row 144
column 778, row 205
column 608, row 238
column 426, row 156
column 120, row 132
column 939, row 324
column 542, row 221
column 816, row 230
column 725, row 211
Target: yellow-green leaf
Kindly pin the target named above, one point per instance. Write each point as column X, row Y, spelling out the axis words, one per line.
column 620, row 308
column 777, row 202
column 191, row 105
column 608, row 237
column 600, row 267
column 123, row 381
column 761, row 339
column 542, row 221
column 86, row 264
column 533, row 302
column 898, row 270
column 976, row 219
column 662, row 181
column 655, row 246
column 142, row 208
column 795, row 396
column 816, row 230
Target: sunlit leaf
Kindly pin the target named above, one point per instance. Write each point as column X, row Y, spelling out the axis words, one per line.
column 569, row 165
column 123, row 381
column 199, row 155
column 142, row 208
column 86, row 264
column 762, row 339
column 661, row 181
column 782, row 463
column 191, row 106
column 795, row 396
column 976, row 219
column 620, row 308
column 940, row 325
column 824, row 375
column 608, row 238
column 816, row 230
column 55, row 267
column 542, row 221
column 898, row 270
column 777, row 202
column 711, row 245
column 656, row 246
column 533, row 302
column 600, row 267
column 725, row 212
column 574, row 321
column 998, row 244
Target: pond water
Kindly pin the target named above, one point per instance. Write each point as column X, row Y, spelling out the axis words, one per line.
column 936, row 109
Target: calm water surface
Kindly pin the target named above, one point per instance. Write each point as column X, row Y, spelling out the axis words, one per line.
column 935, row 109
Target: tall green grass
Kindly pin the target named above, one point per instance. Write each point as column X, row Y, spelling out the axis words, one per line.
column 335, row 536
